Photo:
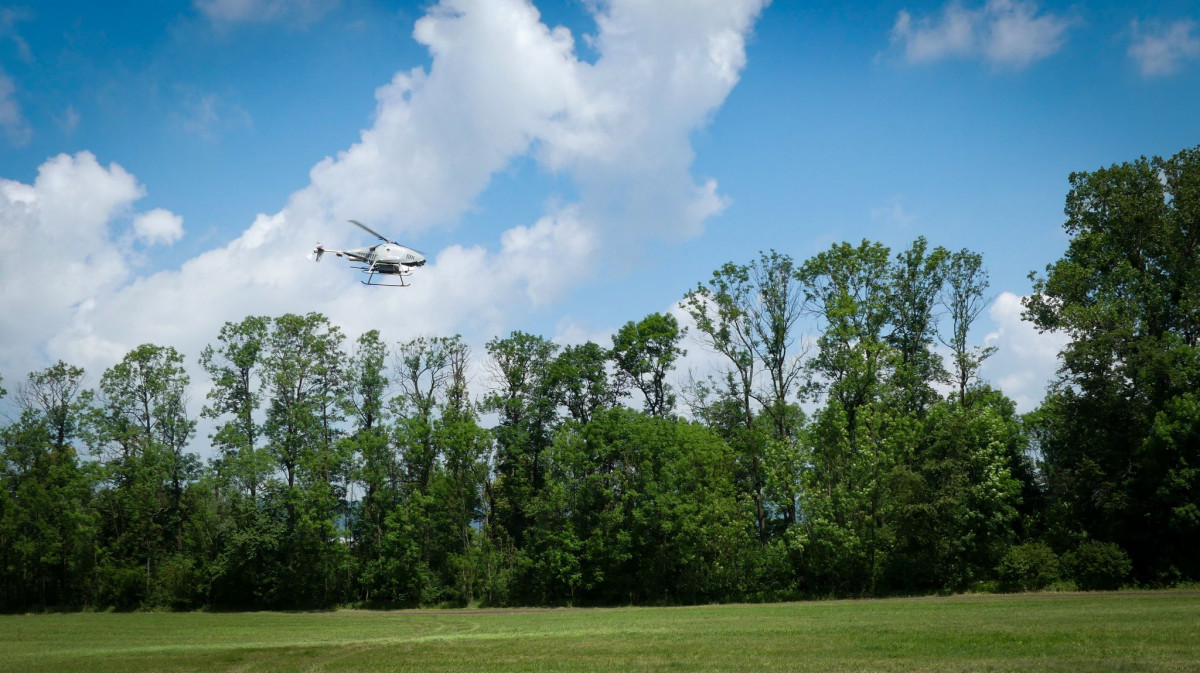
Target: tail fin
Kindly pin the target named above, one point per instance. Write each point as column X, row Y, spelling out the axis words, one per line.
column 317, row 253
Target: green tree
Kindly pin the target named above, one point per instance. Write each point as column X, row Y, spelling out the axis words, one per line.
column 956, row 524
column 521, row 395
column 57, row 394
column 46, row 520
column 640, row 509
column 917, row 279
column 858, row 440
column 375, row 467
column 644, row 353
column 140, row 430
column 579, row 377
column 423, row 370
column 1127, row 294
column 234, row 365
column 747, row 314
column 304, row 374
column 964, row 299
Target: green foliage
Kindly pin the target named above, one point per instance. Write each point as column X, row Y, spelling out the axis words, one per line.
column 965, row 300
column 233, row 367
column 747, row 314
column 1031, row 566
column 1125, row 292
column 917, row 279
column 579, row 379
column 521, row 395
column 1098, row 565
column 644, row 353
column 47, row 518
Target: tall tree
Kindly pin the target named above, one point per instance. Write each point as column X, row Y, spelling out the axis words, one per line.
column 579, row 377
column 1127, row 294
column 303, row 371
column 236, row 368
column 423, row 370
column 917, row 279
column 376, row 468
column 140, row 430
column 644, row 353
column 459, row 483
column 521, row 395
column 748, row 313
column 965, row 298
column 57, row 394
column 46, row 517
column 856, row 439
column 723, row 311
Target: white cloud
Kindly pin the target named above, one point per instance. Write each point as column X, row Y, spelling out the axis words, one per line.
column 928, row 41
column 298, row 12
column 549, row 255
column 1026, row 361
column 501, row 85
column 1162, row 49
column 1003, row 33
column 12, row 122
column 58, row 251
column 158, row 226
column 620, row 126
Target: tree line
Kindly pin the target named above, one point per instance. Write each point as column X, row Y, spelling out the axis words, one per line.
column 862, row 457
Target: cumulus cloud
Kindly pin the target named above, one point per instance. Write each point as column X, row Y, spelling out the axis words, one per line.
column 12, row 122
column 158, row 226
column 1160, row 49
column 58, row 249
column 504, row 84
column 297, row 12
column 501, row 85
column 1026, row 361
column 1003, row 33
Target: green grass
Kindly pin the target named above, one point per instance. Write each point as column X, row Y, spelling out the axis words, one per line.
column 1130, row 631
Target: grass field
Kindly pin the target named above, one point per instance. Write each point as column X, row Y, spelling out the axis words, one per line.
column 1133, row 631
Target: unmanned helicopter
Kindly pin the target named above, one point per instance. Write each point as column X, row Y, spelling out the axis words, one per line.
column 387, row 259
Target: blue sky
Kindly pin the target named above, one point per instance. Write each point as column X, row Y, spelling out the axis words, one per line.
column 185, row 155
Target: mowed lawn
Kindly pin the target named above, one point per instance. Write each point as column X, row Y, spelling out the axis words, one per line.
column 1130, row 631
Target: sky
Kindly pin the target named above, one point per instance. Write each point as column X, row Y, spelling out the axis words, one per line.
column 566, row 166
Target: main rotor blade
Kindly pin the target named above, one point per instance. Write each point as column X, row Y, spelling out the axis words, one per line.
column 371, row 231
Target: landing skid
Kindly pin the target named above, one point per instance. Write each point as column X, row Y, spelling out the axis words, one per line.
column 371, row 278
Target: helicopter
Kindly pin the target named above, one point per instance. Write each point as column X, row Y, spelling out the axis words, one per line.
column 386, row 259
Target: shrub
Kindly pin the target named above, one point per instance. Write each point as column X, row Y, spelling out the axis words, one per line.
column 1098, row 565
column 1028, row 567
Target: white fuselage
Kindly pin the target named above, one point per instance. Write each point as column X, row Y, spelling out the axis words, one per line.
column 387, row 255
